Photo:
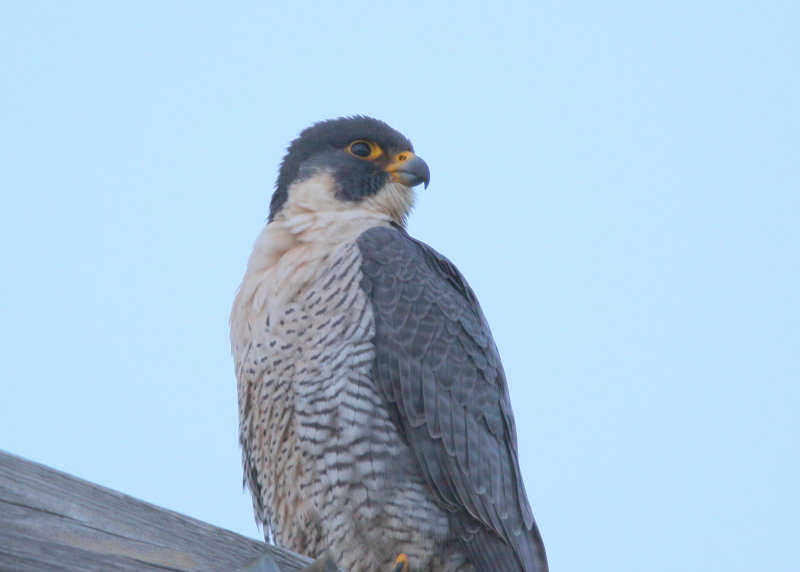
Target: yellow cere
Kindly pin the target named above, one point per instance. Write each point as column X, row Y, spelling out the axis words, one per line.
column 398, row 161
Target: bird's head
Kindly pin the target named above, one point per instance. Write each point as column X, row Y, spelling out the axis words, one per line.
column 349, row 162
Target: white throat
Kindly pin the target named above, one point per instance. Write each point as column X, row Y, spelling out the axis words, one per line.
column 312, row 223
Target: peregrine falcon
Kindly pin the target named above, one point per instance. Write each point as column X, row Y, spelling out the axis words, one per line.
column 374, row 412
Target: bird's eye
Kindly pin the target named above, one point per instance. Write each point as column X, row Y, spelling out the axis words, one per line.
column 361, row 149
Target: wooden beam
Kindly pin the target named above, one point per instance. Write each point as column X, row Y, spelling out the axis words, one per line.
column 54, row 522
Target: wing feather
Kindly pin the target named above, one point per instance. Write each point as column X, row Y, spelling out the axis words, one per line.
column 440, row 376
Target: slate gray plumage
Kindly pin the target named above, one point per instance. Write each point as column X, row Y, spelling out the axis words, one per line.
column 439, row 372
column 375, row 416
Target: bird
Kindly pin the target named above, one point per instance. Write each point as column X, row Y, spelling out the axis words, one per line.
column 375, row 421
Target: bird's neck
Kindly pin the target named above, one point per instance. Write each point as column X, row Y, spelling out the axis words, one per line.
column 290, row 250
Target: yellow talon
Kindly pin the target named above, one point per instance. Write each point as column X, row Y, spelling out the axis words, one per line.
column 401, row 564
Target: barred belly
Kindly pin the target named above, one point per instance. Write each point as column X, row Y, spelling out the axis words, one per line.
column 332, row 473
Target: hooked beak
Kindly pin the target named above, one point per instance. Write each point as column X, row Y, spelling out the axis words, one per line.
column 409, row 170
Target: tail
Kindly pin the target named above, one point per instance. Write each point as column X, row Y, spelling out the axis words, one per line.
column 489, row 552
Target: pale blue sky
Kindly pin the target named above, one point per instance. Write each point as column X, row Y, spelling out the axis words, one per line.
column 619, row 182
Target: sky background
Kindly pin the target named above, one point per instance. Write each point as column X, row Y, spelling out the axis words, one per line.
column 619, row 182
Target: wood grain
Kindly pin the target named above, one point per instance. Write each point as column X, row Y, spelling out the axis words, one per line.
column 51, row 521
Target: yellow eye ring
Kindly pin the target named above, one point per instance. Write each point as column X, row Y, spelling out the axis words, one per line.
column 364, row 150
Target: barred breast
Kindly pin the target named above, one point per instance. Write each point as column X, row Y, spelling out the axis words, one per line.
column 327, row 467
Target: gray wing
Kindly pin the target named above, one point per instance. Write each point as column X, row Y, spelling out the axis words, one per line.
column 440, row 375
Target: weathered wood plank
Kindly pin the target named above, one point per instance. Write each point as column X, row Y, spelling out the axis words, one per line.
column 56, row 522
